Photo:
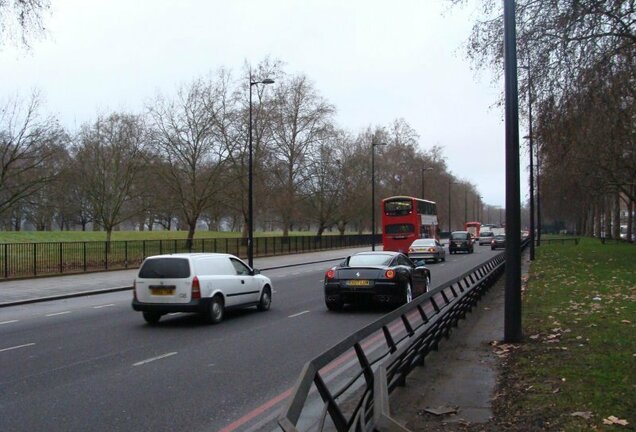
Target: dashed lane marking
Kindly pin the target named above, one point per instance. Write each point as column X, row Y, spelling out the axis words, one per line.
column 58, row 313
column 143, row 362
column 8, row 322
column 103, row 306
column 17, row 346
column 298, row 314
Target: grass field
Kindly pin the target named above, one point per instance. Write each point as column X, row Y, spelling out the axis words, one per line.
column 576, row 369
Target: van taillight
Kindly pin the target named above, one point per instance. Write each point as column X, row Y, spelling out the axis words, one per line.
column 196, row 288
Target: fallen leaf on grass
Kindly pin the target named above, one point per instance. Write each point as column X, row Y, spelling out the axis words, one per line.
column 536, row 336
column 626, row 322
column 585, row 414
column 615, row 420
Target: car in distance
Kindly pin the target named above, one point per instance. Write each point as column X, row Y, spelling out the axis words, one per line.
column 486, row 237
column 427, row 249
column 499, row 241
column 384, row 277
column 205, row 283
column 460, row 241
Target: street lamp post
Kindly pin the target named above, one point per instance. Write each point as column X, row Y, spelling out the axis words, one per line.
column 450, row 183
column 423, row 171
column 250, row 193
column 373, row 146
column 532, row 227
column 465, row 204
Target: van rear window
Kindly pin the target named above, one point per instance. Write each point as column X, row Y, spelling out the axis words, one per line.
column 165, row 268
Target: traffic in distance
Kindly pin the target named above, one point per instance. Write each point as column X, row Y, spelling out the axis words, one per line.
column 211, row 283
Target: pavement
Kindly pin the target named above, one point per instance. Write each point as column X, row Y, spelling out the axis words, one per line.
column 23, row 291
column 457, row 383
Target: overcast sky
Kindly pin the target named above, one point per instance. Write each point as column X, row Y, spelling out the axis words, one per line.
column 376, row 61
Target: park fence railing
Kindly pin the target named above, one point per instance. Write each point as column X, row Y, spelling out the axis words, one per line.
column 25, row 260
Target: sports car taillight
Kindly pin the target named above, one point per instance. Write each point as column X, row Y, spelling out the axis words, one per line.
column 196, row 288
column 330, row 274
column 389, row 274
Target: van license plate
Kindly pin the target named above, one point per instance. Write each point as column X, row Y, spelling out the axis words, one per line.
column 162, row 290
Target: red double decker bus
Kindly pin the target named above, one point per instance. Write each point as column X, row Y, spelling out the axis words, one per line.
column 405, row 219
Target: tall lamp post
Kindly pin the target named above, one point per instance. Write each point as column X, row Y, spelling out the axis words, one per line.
column 532, row 228
column 373, row 146
column 450, row 183
column 423, row 171
column 465, row 204
column 250, row 177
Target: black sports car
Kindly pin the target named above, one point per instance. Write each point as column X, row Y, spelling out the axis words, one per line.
column 385, row 277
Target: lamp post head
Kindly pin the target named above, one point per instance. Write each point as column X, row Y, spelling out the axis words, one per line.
column 265, row 81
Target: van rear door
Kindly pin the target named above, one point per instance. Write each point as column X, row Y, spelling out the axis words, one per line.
column 164, row 280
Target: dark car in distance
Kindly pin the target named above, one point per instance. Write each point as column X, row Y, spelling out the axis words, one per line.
column 498, row 242
column 384, row 277
column 460, row 241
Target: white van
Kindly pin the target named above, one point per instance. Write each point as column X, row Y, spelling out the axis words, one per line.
column 205, row 283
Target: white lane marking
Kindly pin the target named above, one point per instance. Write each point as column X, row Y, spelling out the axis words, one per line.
column 8, row 322
column 17, row 346
column 103, row 306
column 58, row 313
column 298, row 314
column 154, row 358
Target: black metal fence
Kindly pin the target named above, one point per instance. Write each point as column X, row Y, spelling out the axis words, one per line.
column 23, row 260
column 381, row 356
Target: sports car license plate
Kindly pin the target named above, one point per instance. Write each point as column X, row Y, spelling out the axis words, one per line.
column 358, row 282
column 162, row 290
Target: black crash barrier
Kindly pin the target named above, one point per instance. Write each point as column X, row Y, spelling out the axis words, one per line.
column 379, row 358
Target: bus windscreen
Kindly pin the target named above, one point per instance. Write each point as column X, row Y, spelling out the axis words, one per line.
column 398, row 207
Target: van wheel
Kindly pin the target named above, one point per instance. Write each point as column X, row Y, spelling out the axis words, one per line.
column 216, row 309
column 266, row 300
column 152, row 318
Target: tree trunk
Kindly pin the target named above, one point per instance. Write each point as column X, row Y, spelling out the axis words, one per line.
column 191, row 227
column 616, row 222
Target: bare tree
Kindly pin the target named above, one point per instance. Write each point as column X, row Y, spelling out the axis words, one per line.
column 109, row 158
column 28, row 144
column 580, row 57
column 183, row 132
column 301, row 120
column 22, row 17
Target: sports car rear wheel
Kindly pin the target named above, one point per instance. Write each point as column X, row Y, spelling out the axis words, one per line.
column 408, row 294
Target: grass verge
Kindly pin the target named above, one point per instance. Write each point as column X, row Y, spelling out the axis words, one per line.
column 576, row 369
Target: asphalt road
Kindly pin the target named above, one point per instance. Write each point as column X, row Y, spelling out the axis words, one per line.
column 91, row 363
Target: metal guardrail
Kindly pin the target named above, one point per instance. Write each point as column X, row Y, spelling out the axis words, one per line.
column 386, row 351
column 25, row 260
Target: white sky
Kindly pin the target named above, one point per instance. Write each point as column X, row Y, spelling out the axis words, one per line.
column 374, row 60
